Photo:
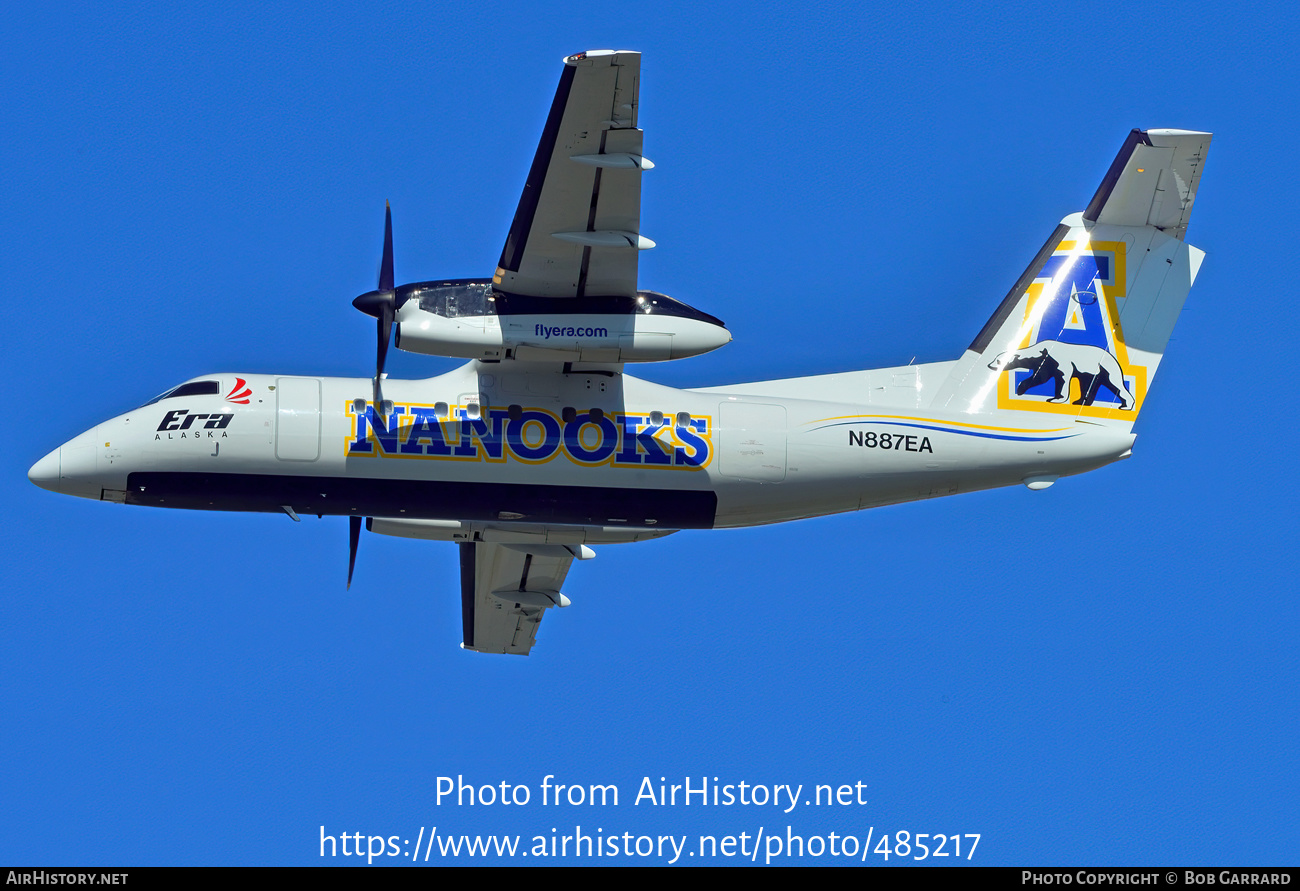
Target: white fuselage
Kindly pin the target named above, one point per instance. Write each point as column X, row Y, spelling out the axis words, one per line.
column 509, row 445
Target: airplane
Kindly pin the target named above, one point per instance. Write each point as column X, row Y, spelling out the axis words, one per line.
column 542, row 444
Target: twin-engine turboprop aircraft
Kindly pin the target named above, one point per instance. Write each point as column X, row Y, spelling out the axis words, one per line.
column 542, row 444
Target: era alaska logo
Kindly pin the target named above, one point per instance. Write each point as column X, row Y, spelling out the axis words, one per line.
column 180, row 424
column 532, row 436
column 1071, row 357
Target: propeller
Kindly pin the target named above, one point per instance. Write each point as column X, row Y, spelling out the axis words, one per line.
column 382, row 304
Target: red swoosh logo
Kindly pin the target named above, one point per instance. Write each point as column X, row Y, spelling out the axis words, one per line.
column 239, row 393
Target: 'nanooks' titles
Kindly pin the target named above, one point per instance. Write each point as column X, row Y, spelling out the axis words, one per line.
column 532, row 436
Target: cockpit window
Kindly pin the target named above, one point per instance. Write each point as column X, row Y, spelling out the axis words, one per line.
column 193, row 388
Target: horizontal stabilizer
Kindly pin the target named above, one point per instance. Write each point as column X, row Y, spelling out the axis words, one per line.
column 1152, row 181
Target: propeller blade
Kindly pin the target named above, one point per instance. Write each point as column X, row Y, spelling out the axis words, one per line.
column 386, row 264
column 354, row 536
column 382, row 304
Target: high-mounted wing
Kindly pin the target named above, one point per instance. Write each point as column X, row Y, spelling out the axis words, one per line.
column 577, row 230
column 505, row 589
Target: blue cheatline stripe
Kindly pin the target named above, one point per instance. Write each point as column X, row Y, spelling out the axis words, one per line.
column 950, row 430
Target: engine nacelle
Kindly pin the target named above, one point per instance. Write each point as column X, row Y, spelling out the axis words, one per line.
column 471, row 320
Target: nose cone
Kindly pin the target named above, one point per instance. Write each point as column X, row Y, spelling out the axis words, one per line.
column 45, row 472
column 70, row 468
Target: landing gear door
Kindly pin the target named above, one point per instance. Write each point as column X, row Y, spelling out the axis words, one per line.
column 297, row 418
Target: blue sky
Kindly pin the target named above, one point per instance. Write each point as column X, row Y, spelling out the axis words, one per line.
column 846, row 186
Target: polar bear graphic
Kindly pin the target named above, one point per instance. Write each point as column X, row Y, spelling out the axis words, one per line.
column 1062, row 362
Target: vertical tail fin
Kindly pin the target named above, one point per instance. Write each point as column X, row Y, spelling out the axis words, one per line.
column 1083, row 330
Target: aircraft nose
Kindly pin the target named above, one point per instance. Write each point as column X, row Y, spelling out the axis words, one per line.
column 45, row 472
column 71, row 468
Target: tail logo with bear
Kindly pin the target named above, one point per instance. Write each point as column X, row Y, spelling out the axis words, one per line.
column 1071, row 356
